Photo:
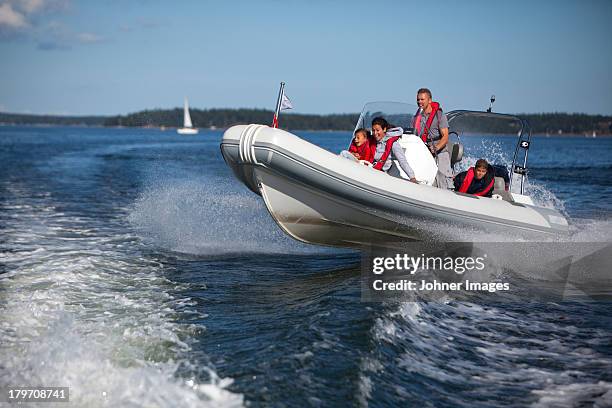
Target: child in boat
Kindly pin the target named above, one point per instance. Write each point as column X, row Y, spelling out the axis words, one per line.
column 362, row 147
column 478, row 180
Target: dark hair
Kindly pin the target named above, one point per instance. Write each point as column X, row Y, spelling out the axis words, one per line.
column 424, row 90
column 363, row 130
column 482, row 164
column 380, row 121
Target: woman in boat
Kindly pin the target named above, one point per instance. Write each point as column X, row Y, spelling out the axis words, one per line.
column 478, row 180
column 387, row 149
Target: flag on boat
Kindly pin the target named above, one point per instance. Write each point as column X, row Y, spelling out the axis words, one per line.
column 282, row 103
column 286, row 103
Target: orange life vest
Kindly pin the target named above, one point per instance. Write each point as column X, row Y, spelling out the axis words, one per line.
column 435, row 107
column 468, row 180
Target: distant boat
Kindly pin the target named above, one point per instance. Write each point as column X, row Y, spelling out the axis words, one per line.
column 187, row 128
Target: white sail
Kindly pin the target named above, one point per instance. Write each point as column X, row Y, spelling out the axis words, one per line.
column 186, row 117
column 187, row 128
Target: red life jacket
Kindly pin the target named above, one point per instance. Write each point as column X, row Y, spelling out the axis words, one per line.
column 389, row 144
column 468, row 180
column 435, row 107
column 365, row 151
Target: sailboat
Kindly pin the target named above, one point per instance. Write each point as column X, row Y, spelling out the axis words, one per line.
column 187, row 128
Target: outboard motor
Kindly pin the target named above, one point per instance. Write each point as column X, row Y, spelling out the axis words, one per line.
column 456, row 153
column 502, row 177
column 455, row 149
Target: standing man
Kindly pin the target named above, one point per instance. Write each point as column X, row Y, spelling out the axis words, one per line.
column 431, row 125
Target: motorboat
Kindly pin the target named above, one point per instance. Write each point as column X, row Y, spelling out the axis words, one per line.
column 187, row 128
column 319, row 197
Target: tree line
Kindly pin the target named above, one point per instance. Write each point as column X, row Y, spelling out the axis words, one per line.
column 223, row 118
column 541, row 123
column 26, row 119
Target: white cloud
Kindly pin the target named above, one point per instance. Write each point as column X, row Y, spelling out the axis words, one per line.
column 30, row 19
column 56, row 36
column 12, row 19
column 29, row 6
column 22, row 16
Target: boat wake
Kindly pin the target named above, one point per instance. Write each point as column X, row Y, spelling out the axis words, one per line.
column 83, row 308
column 451, row 349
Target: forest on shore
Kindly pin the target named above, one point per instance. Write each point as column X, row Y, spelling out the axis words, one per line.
column 541, row 123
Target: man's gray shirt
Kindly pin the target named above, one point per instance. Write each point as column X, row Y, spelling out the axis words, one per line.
column 438, row 122
column 444, row 178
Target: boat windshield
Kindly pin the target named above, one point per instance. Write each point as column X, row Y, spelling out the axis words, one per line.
column 396, row 113
column 485, row 123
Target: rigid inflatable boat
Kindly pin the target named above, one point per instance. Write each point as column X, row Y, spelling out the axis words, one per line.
column 320, row 197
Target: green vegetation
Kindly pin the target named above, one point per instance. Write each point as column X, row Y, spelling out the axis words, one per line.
column 552, row 123
column 24, row 119
column 223, row 118
column 571, row 123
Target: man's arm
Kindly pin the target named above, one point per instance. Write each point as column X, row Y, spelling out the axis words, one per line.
column 443, row 126
column 443, row 140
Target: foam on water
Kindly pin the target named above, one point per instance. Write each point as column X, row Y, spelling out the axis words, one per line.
column 209, row 216
column 539, row 193
column 591, row 230
column 497, row 352
column 83, row 309
column 597, row 395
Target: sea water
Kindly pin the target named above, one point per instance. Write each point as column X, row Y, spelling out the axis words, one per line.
column 136, row 270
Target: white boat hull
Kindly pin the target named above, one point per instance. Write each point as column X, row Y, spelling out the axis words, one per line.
column 319, row 197
column 187, row 131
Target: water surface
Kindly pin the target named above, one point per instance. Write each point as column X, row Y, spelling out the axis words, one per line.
column 136, row 270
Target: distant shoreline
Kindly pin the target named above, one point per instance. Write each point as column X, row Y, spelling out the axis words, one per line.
column 551, row 124
column 173, row 129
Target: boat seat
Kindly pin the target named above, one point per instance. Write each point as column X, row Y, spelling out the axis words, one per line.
column 456, row 152
column 499, row 187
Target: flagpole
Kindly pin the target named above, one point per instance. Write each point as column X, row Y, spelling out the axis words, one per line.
column 278, row 104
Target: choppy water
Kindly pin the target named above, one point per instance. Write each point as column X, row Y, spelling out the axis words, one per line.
column 137, row 271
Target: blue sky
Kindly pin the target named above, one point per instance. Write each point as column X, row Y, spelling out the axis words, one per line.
column 110, row 57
